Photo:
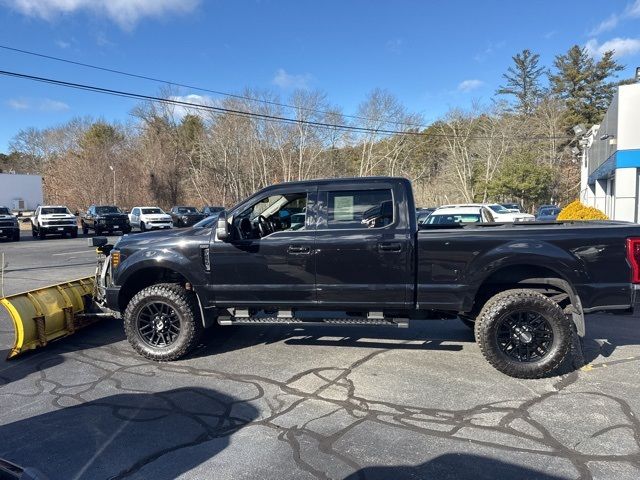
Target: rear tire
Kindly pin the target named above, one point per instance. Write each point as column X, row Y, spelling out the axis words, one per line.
column 523, row 333
column 162, row 322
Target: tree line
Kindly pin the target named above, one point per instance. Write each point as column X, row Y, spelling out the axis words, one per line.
column 516, row 148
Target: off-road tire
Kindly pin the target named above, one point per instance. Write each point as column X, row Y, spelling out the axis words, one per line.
column 41, row 233
column 142, row 227
column 509, row 301
column 185, row 306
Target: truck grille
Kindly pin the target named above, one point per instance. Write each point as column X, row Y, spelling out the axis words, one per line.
column 6, row 223
column 60, row 222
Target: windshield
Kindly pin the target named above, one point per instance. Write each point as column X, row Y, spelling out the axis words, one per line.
column 212, row 210
column 550, row 211
column 4, row 211
column 102, row 210
column 148, row 211
column 50, row 210
column 444, row 219
column 187, row 210
column 498, row 208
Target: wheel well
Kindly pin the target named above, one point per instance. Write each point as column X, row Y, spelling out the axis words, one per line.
column 542, row 279
column 145, row 278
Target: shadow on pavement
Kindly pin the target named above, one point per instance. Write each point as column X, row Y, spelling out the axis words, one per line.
column 127, row 435
column 460, row 466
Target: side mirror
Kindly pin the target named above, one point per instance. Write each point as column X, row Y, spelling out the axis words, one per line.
column 222, row 227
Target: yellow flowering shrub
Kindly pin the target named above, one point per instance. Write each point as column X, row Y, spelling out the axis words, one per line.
column 578, row 211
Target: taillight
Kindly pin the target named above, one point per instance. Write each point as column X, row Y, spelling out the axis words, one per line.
column 633, row 255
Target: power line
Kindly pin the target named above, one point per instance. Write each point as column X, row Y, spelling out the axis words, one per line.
column 193, row 87
column 248, row 114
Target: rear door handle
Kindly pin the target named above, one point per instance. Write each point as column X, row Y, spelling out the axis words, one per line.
column 298, row 250
column 390, row 247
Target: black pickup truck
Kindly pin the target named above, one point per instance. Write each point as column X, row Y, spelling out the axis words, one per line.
column 104, row 219
column 350, row 252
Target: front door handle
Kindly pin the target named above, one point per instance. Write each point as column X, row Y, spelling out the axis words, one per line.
column 298, row 250
column 390, row 247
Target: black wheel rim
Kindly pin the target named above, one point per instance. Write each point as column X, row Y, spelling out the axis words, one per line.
column 524, row 336
column 158, row 324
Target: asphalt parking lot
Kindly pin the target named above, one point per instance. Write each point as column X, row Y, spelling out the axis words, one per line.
column 281, row 402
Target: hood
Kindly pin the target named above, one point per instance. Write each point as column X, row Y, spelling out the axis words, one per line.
column 160, row 239
column 112, row 215
column 7, row 217
column 57, row 215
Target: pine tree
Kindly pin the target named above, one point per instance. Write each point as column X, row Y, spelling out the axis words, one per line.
column 584, row 84
column 523, row 81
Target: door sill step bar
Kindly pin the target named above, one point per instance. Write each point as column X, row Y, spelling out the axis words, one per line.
column 277, row 320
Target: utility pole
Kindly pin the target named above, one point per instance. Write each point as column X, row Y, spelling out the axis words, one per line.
column 114, row 183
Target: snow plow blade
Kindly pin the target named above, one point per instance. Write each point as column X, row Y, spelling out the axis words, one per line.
column 46, row 314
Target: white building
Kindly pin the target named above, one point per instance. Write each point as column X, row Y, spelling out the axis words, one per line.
column 20, row 192
column 610, row 173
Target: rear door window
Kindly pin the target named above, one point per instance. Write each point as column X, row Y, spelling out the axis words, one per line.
column 347, row 209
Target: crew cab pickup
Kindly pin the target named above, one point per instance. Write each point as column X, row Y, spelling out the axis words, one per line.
column 105, row 218
column 53, row 219
column 9, row 227
column 350, row 252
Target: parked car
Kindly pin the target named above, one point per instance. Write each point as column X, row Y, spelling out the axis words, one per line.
column 547, row 214
column 423, row 213
column 455, row 215
column 524, row 287
column 546, row 206
column 208, row 210
column 9, row 227
column 185, row 216
column 512, row 207
column 53, row 220
column 105, row 218
column 149, row 218
column 499, row 213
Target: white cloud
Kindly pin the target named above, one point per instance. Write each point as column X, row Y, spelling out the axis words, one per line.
column 126, row 13
column 287, row 80
column 470, row 85
column 179, row 111
column 18, row 104
column 611, row 22
column 43, row 105
column 606, row 25
column 62, row 44
column 394, row 45
column 621, row 46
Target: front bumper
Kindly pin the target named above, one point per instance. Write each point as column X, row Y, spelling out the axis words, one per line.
column 163, row 224
column 7, row 232
column 59, row 229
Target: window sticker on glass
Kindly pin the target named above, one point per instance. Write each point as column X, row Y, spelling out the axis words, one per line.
column 343, row 208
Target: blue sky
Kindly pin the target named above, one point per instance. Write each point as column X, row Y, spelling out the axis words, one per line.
column 432, row 54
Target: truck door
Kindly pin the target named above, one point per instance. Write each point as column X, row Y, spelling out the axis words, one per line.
column 269, row 261
column 363, row 254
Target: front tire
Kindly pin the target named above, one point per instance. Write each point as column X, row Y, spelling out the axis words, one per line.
column 142, row 227
column 523, row 333
column 16, row 236
column 162, row 322
column 85, row 229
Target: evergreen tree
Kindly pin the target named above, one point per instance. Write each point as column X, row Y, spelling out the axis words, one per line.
column 584, row 84
column 523, row 81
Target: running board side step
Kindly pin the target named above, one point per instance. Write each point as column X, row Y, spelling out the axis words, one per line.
column 279, row 320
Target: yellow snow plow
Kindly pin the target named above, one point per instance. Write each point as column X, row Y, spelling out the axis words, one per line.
column 46, row 314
